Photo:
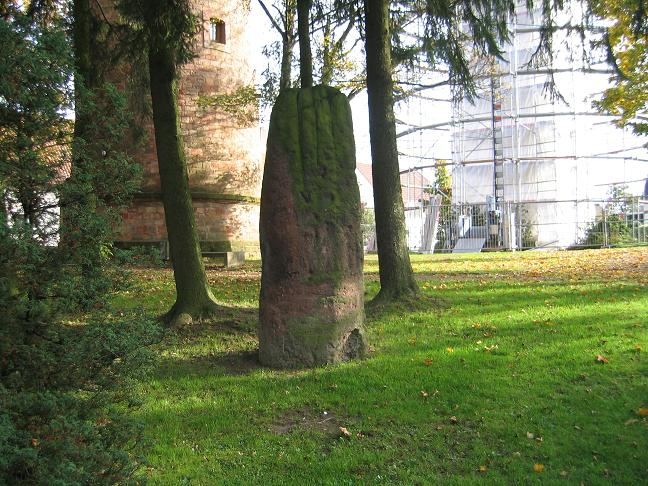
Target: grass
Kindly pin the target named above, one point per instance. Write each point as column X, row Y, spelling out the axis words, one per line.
column 491, row 376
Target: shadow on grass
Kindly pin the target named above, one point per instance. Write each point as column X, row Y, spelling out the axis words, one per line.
column 230, row 319
column 502, row 296
column 418, row 303
column 237, row 327
column 209, row 365
column 238, row 362
column 478, row 299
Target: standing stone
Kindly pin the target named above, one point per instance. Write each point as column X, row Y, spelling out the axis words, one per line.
column 312, row 292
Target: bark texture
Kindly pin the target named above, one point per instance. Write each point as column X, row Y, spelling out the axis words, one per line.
column 287, row 44
column 396, row 277
column 311, row 305
column 86, row 81
column 193, row 298
column 305, row 54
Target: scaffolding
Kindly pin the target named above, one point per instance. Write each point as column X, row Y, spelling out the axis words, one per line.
column 532, row 161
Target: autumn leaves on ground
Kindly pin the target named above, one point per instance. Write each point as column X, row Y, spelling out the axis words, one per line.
column 510, row 368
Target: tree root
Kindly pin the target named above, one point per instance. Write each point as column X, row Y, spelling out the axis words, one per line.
column 181, row 315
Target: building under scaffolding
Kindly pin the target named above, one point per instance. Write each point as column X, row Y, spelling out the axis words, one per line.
column 533, row 164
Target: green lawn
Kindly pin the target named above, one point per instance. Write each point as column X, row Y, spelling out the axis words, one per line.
column 491, row 376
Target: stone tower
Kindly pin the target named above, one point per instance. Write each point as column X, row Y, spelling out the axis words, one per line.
column 223, row 148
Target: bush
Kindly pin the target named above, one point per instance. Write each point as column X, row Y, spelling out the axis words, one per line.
column 149, row 256
column 612, row 228
column 68, row 423
column 65, row 389
column 614, row 231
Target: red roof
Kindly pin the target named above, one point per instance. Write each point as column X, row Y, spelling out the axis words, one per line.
column 413, row 184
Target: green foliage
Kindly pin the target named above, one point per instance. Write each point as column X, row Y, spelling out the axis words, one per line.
column 333, row 35
column 102, row 181
column 611, row 227
column 64, row 395
column 137, row 255
column 455, row 34
column 626, row 41
column 443, row 181
column 242, row 104
column 162, row 25
column 529, row 237
column 368, row 224
column 64, row 387
column 443, row 187
column 612, row 230
column 35, row 75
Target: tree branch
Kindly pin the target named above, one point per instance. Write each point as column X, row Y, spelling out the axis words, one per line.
column 272, row 19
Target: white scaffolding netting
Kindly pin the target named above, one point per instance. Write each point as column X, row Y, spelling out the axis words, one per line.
column 532, row 142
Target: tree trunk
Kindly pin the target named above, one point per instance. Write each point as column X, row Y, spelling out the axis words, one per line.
column 305, row 55
column 286, row 62
column 4, row 219
column 327, row 54
column 396, row 277
column 193, row 297
column 287, row 44
column 82, row 201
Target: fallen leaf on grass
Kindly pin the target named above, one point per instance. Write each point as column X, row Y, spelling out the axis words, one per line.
column 427, row 361
column 424, row 394
column 538, row 468
column 345, row 432
column 453, row 420
column 483, row 468
column 631, row 421
column 602, row 359
column 643, row 412
column 530, row 435
column 450, row 350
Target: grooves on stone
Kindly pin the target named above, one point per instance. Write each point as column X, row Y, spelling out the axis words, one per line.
column 312, row 292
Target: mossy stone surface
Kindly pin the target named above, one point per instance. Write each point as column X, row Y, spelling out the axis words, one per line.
column 311, row 305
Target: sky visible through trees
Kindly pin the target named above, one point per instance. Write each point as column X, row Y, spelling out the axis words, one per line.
column 422, row 145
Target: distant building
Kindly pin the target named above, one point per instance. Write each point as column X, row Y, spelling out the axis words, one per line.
column 413, row 186
column 223, row 151
column 534, row 161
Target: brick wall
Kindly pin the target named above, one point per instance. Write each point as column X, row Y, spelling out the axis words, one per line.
column 216, row 222
column 223, row 154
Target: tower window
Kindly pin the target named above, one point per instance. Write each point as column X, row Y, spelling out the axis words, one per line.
column 217, row 31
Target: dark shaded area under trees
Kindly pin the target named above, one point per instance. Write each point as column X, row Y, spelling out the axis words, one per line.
column 65, row 389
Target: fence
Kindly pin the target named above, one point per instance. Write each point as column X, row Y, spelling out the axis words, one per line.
column 527, row 225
